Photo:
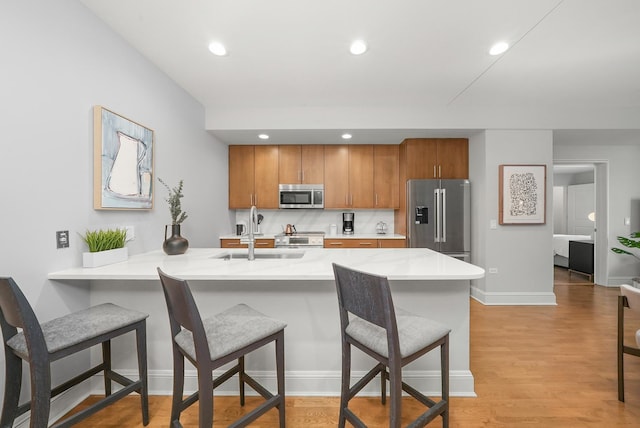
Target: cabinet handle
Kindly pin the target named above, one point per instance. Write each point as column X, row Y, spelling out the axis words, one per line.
column 439, row 171
column 335, row 243
column 261, row 244
column 434, row 171
column 233, row 244
column 351, row 200
column 376, row 199
column 365, row 243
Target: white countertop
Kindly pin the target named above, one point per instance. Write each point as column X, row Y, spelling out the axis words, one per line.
column 327, row 236
column 203, row 264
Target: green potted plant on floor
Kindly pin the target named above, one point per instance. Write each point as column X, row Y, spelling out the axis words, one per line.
column 106, row 246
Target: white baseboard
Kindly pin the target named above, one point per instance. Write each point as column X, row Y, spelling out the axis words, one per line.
column 513, row 298
column 298, row 384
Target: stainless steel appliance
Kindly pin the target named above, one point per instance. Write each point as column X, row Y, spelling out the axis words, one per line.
column 301, row 195
column 347, row 223
column 438, row 216
column 300, row 240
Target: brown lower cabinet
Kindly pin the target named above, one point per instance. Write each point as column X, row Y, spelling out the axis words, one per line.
column 364, row 243
column 235, row 243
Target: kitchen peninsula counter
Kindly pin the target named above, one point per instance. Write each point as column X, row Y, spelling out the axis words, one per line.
column 302, row 293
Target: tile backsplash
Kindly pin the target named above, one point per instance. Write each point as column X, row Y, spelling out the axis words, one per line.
column 317, row 220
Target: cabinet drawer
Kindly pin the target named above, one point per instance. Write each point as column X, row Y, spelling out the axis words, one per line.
column 391, row 243
column 350, row 243
column 235, row 243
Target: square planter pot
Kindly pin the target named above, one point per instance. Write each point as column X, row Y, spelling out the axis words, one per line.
column 102, row 258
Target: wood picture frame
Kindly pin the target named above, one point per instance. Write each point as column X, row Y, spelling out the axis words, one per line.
column 522, row 194
column 123, row 155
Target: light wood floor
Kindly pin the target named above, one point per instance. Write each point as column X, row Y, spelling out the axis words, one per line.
column 534, row 366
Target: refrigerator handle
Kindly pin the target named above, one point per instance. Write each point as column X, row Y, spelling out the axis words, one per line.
column 436, row 217
column 444, row 214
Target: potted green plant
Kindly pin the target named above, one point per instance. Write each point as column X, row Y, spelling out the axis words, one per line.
column 106, row 246
column 176, row 243
column 629, row 243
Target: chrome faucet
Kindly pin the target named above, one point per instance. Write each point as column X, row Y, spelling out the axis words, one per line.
column 251, row 241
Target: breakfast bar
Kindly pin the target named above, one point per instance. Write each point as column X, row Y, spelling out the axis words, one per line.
column 296, row 286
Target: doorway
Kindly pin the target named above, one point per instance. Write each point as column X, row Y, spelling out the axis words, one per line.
column 580, row 206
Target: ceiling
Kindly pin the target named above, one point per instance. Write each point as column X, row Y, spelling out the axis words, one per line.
column 573, row 65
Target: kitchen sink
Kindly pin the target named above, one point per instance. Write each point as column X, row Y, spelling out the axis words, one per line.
column 260, row 256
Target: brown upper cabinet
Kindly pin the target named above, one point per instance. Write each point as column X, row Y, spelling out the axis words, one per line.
column 348, row 171
column 436, row 157
column 385, row 175
column 301, row 164
column 253, row 176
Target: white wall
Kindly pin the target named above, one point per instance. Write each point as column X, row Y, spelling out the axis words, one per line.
column 522, row 254
column 623, row 186
column 58, row 61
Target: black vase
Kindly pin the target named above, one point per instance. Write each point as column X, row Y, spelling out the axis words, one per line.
column 175, row 244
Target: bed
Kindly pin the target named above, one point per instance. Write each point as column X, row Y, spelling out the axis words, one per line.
column 561, row 247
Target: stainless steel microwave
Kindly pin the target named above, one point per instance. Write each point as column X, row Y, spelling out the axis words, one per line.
column 301, row 195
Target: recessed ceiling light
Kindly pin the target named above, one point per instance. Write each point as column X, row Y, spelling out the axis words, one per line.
column 263, row 136
column 346, row 136
column 217, row 48
column 358, row 47
column 499, row 48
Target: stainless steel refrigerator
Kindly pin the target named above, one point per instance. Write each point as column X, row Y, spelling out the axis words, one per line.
column 438, row 216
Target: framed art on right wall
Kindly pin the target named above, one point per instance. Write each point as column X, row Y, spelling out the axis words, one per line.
column 522, row 198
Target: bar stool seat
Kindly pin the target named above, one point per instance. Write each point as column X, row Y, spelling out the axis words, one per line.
column 41, row 344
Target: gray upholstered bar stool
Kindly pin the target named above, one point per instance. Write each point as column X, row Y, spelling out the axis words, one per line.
column 213, row 342
column 41, row 344
column 629, row 298
column 391, row 336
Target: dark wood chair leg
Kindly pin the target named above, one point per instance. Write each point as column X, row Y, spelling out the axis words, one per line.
column 383, row 386
column 395, row 394
column 178, row 388
column 345, row 385
column 40, row 394
column 444, row 364
column 12, row 387
column 106, row 358
column 280, row 376
column 141, row 344
column 205, row 392
column 241, row 378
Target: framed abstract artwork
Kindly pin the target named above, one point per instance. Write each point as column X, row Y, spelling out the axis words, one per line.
column 122, row 162
column 522, row 198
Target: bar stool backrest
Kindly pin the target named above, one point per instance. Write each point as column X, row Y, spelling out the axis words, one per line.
column 368, row 297
column 16, row 312
column 183, row 313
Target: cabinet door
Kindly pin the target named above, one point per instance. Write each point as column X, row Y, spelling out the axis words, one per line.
column 421, row 157
column 241, row 176
column 289, row 168
column 453, row 158
column 266, row 177
column 391, row 243
column 361, row 176
column 385, row 176
column 312, row 164
column 336, row 171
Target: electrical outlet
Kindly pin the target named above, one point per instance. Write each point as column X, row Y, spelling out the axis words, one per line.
column 493, row 270
column 62, row 239
column 131, row 233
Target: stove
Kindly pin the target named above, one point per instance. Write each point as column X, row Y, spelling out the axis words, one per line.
column 300, row 240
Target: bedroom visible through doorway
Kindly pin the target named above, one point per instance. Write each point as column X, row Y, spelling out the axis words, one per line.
column 574, row 208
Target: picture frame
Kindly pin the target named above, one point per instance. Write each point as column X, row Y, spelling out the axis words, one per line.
column 522, row 194
column 123, row 156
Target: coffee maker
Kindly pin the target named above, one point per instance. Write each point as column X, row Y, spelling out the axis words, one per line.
column 347, row 223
